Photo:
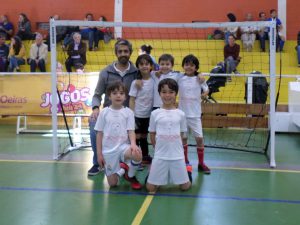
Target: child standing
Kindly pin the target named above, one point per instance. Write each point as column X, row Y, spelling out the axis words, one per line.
column 167, row 124
column 116, row 139
column 141, row 101
column 191, row 89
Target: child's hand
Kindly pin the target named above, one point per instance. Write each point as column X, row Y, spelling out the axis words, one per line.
column 201, row 78
column 101, row 160
column 139, row 84
column 158, row 73
column 136, row 153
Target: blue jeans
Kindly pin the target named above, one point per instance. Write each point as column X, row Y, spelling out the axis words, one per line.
column 231, row 64
column 14, row 62
column 89, row 36
column 298, row 54
column 262, row 39
column 93, row 137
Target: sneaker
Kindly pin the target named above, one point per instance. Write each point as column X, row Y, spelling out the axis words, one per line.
column 189, row 169
column 94, row 170
column 147, row 159
column 140, row 167
column 135, row 184
column 203, row 168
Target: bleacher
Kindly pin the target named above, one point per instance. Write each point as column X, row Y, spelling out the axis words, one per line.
column 210, row 52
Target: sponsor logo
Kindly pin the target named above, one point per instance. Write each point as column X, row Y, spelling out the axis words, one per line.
column 5, row 99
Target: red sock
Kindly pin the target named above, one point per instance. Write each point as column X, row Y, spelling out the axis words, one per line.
column 200, row 153
column 185, row 149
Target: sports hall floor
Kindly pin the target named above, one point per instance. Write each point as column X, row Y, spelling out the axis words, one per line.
column 241, row 190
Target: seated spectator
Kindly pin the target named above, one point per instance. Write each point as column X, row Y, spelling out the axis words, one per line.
column 60, row 33
column 231, row 55
column 102, row 33
column 4, row 50
column 16, row 56
column 298, row 48
column 24, row 28
column 77, row 54
column 230, row 30
column 248, row 34
column 280, row 39
column 6, row 27
column 69, row 36
column 38, row 54
column 88, row 33
column 146, row 49
column 263, row 32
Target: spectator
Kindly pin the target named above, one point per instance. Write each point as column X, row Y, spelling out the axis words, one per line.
column 230, row 30
column 248, row 34
column 102, row 33
column 146, row 49
column 6, row 27
column 231, row 55
column 69, row 36
column 16, row 55
column 279, row 35
column 77, row 54
column 24, row 28
column 263, row 32
column 298, row 48
column 60, row 33
column 88, row 33
column 38, row 54
column 122, row 70
column 4, row 50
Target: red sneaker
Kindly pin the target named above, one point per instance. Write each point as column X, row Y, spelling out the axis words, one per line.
column 135, row 184
column 203, row 168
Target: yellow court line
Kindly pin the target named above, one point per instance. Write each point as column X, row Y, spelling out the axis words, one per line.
column 255, row 169
column 215, row 167
column 140, row 215
column 40, row 161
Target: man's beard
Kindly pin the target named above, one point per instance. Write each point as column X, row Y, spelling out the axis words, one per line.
column 123, row 60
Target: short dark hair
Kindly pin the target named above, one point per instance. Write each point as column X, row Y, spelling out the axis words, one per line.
column 261, row 14
column 123, row 42
column 146, row 48
column 117, row 85
column 231, row 35
column 143, row 57
column 272, row 10
column 172, row 84
column 191, row 59
column 231, row 17
column 166, row 57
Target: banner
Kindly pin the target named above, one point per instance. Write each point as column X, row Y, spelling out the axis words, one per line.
column 31, row 94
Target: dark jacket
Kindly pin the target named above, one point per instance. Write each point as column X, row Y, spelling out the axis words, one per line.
column 106, row 77
column 81, row 51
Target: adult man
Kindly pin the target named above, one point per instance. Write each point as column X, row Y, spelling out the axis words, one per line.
column 38, row 54
column 4, row 50
column 6, row 27
column 77, row 54
column 122, row 70
column 231, row 55
column 263, row 32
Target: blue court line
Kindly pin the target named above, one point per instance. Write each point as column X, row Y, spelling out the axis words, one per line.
column 145, row 194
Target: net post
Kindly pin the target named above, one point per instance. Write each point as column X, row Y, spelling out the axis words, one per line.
column 53, row 88
column 272, row 92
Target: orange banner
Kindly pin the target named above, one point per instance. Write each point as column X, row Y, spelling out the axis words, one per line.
column 31, row 94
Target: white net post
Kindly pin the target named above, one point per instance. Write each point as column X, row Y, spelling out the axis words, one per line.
column 54, row 88
column 272, row 38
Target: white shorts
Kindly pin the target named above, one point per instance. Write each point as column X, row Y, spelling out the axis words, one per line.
column 195, row 125
column 163, row 172
column 112, row 160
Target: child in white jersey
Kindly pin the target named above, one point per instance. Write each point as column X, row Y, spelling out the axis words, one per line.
column 167, row 124
column 116, row 139
column 191, row 89
column 141, row 102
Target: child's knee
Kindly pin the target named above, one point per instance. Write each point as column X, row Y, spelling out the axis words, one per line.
column 113, row 180
column 151, row 188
